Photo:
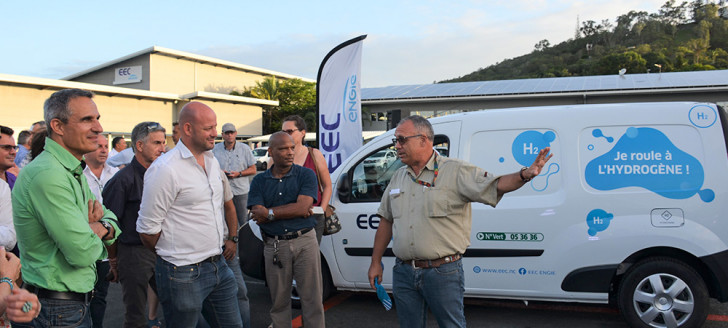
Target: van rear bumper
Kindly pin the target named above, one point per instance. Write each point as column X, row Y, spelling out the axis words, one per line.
column 717, row 265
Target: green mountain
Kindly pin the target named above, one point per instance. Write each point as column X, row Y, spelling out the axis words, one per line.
column 689, row 36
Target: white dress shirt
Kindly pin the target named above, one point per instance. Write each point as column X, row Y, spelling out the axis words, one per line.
column 97, row 184
column 7, row 229
column 184, row 202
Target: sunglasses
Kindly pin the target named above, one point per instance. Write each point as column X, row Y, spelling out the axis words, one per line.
column 290, row 131
column 8, row 147
column 402, row 140
column 153, row 126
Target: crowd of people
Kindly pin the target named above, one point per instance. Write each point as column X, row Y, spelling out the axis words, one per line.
column 163, row 221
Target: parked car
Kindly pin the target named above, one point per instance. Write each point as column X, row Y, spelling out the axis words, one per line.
column 261, row 158
column 381, row 159
column 628, row 211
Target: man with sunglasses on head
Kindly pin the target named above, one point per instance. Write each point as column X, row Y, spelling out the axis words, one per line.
column 131, row 262
column 426, row 208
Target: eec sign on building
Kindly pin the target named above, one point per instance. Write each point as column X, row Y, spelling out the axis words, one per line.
column 125, row 75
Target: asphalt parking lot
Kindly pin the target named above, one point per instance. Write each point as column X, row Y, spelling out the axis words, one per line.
column 347, row 309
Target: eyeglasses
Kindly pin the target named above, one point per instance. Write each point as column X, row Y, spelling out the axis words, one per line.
column 8, row 147
column 402, row 140
column 290, row 131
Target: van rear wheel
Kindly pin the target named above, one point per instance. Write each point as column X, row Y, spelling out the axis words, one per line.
column 663, row 292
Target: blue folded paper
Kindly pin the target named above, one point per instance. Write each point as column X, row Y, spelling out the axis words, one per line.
column 382, row 295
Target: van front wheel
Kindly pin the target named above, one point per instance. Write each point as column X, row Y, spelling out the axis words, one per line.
column 663, row 292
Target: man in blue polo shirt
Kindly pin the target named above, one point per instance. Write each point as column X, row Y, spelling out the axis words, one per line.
column 280, row 201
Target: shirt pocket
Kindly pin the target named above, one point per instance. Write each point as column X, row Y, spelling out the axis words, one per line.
column 436, row 202
column 396, row 200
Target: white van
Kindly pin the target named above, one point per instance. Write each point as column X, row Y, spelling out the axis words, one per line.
column 629, row 210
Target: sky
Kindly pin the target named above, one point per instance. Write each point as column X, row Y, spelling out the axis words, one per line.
column 408, row 42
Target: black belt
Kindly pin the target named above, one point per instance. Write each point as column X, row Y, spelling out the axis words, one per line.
column 211, row 259
column 52, row 294
column 290, row 235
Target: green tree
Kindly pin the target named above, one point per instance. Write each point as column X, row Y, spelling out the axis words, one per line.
column 542, row 45
column 294, row 96
column 630, row 60
column 297, row 97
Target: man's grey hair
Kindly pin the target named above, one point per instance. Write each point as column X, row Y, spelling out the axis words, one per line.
column 422, row 125
column 24, row 137
column 142, row 130
column 41, row 123
column 56, row 106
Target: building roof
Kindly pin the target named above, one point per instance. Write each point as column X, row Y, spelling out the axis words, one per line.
column 36, row 82
column 716, row 80
column 188, row 56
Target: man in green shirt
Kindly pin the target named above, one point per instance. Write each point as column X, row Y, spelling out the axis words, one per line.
column 62, row 229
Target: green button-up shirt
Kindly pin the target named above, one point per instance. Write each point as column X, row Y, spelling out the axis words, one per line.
column 50, row 211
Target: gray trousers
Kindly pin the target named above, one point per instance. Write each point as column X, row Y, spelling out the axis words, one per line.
column 301, row 261
column 136, row 272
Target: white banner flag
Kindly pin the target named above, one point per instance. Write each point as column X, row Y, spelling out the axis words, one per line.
column 338, row 100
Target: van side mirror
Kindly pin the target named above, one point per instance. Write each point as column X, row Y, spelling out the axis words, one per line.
column 344, row 188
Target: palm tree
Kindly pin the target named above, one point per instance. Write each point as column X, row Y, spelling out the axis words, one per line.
column 268, row 89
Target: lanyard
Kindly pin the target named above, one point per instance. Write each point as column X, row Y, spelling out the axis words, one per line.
column 427, row 184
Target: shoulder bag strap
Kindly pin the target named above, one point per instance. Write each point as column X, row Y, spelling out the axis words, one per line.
column 318, row 176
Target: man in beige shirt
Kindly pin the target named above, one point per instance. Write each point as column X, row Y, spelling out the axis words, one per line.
column 426, row 207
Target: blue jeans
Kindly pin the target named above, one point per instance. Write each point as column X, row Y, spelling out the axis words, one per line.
column 185, row 290
column 243, row 301
column 442, row 289
column 59, row 313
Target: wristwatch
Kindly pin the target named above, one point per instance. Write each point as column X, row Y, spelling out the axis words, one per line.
column 233, row 238
column 271, row 216
column 523, row 178
column 107, row 226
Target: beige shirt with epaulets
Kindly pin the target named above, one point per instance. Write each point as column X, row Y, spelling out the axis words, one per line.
column 433, row 222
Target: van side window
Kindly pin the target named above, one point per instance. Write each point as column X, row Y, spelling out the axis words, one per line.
column 370, row 177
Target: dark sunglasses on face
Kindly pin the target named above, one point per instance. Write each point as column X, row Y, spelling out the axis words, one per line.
column 8, row 147
column 402, row 140
column 290, row 131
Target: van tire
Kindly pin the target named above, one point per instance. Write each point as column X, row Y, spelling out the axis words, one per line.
column 645, row 290
column 326, row 282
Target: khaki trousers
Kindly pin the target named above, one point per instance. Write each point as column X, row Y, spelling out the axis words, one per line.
column 301, row 261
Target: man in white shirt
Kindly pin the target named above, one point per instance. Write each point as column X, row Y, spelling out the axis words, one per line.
column 7, row 229
column 183, row 197
column 98, row 173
